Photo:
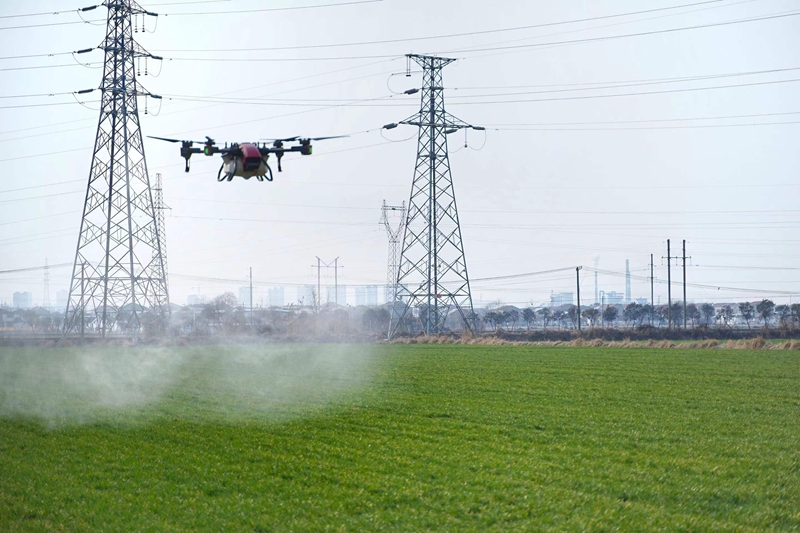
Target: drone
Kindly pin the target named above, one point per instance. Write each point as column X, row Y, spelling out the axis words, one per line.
column 246, row 160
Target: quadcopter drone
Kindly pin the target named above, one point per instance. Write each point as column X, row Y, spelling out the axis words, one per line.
column 246, row 160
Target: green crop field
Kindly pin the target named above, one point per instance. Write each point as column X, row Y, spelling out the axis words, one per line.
column 404, row 438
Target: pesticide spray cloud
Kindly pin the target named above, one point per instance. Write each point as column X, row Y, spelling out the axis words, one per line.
column 138, row 385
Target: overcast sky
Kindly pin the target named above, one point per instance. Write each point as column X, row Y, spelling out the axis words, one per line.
column 571, row 175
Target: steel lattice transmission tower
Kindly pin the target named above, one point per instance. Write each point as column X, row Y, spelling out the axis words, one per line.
column 432, row 275
column 395, row 234
column 160, row 207
column 119, row 277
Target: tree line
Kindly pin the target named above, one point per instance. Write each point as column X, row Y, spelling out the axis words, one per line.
column 763, row 313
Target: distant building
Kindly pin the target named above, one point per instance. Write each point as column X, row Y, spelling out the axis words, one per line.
column 642, row 301
column 275, row 297
column 23, row 300
column 614, row 298
column 62, row 297
column 306, row 295
column 195, row 299
column 562, row 298
column 244, row 296
column 331, row 294
column 367, row 295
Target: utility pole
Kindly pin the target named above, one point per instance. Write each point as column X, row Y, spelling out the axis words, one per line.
column 319, row 266
column 251, row 296
column 669, row 284
column 652, row 292
column 46, row 298
column 432, row 275
column 124, row 283
column 336, row 281
column 684, row 283
column 578, row 278
column 669, row 288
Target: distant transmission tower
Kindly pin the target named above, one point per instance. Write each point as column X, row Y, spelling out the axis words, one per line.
column 395, row 234
column 119, row 278
column 46, row 297
column 160, row 207
column 432, row 275
column 627, row 281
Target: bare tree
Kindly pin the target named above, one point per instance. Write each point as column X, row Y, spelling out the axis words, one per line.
column 693, row 314
column 632, row 313
column 747, row 311
column 707, row 310
column 591, row 315
column 765, row 308
column 783, row 312
column 725, row 315
column 610, row 315
column 795, row 313
column 572, row 313
column 513, row 317
column 529, row 316
column 546, row 315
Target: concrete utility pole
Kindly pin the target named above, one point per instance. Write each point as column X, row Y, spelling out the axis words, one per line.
column 669, row 288
column 684, row 283
column 578, row 278
column 319, row 266
column 251, row 296
column 652, row 300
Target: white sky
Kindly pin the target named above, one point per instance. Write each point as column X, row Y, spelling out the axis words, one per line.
column 528, row 201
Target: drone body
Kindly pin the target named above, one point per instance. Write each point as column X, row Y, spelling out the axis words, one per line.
column 251, row 163
column 246, row 160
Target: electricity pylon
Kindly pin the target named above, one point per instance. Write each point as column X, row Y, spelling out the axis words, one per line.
column 432, row 275
column 119, row 278
column 395, row 234
column 160, row 207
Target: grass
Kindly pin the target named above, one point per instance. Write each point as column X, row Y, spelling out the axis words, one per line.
column 423, row 437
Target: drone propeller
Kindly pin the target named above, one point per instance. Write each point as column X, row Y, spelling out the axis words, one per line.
column 174, row 140
column 165, row 139
column 286, row 140
column 325, row 138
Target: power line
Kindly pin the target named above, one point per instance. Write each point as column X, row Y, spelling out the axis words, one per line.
column 28, row 26
column 45, row 66
column 695, row 285
column 29, row 56
column 631, row 83
column 265, row 10
column 696, row 126
column 628, row 35
column 38, row 218
column 642, row 121
column 39, row 197
column 447, row 36
column 48, row 185
column 31, row 269
column 644, row 93
column 54, row 104
column 229, row 12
